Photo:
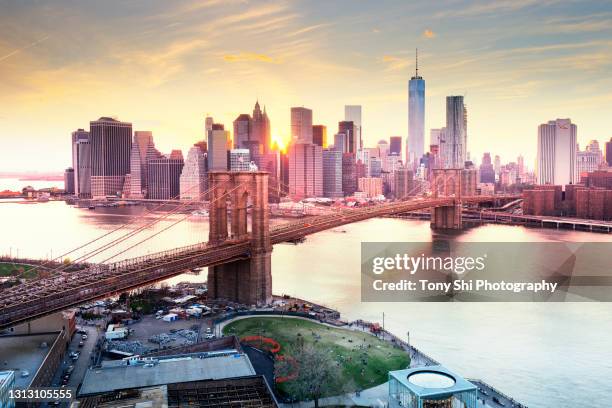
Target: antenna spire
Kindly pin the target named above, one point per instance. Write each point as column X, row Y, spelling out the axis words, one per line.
column 417, row 62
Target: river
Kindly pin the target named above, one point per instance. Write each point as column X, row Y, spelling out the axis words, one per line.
column 543, row 354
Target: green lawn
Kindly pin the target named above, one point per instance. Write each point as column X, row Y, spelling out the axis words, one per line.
column 12, row 269
column 351, row 349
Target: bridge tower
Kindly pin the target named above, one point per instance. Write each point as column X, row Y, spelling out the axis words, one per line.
column 247, row 281
column 447, row 183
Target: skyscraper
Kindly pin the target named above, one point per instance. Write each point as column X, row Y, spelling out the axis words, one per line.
column 111, row 144
column 319, row 135
column 415, row 146
column 332, row 173
column 242, row 131
column 349, row 128
column 143, row 149
column 349, row 174
column 305, row 170
column 164, row 176
column 301, row 125
column 193, row 180
column 609, row 153
column 395, row 145
column 69, row 180
column 218, row 141
column 487, row 172
column 261, row 132
column 81, row 163
column 453, row 148
column 352, row 113
column 556, row 157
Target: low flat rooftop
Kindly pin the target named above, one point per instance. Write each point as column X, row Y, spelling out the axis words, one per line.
column 166, row 371
column 22, row 353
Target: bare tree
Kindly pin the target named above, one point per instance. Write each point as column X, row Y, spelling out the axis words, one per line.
column 318, row 373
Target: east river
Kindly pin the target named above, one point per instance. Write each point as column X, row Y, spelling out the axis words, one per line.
column 544, row 354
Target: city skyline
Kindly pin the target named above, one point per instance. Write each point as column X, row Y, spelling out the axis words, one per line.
column 217, row 58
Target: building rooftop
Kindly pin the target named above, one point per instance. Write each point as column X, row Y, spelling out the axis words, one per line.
column 166, row 370
column 25, row 353
column 432, row 381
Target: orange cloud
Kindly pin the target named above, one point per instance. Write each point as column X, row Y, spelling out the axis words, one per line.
column 250, row 56
column 429, row 33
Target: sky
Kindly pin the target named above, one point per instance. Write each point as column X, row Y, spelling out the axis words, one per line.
column 165, row 65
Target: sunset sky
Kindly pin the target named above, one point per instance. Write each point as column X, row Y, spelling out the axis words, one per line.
column 163, row 65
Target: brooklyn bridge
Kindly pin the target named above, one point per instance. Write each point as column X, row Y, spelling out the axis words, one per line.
column 238, row 258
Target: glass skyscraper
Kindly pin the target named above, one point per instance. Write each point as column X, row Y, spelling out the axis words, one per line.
column 415, row 146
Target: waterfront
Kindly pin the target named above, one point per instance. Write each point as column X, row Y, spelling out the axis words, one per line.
column 545, row 355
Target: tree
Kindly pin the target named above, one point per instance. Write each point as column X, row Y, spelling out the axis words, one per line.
column 318, row 373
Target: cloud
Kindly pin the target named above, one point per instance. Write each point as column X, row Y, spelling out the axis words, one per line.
column 18, row 50
column 394, row 63
column 428, row 33
column 251, row 56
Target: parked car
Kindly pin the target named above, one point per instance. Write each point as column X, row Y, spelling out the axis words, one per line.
column 209, row 336
column 81, row 344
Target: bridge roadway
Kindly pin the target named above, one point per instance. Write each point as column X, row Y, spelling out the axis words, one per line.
column 40, row 297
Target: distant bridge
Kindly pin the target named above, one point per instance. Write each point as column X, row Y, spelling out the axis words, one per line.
column 240, row 263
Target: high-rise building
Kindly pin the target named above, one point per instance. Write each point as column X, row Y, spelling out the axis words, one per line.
column 587, row 161
column 301, row 125
column 305, row 170
column 164, row 175
column 332, row 173
column 240, row 160
column 143, row 149
column 193, row 180
column 352, row 113
column 69, row 180
column 350, row 130
column 341, row 142
column 111, row 144
column 349, row 174
column 497, row 165
column 487, row 172
column 556, row 156
column 375, row 166
column 260, row 131
column 520, row 162
column 593, row 147
column 453, row 148
column 415, row 146
column 81, row 163
column 609, row 153
column 395, row 145
column 319, row 135
column 371, row 186
column 218, row 142
column 242, row 131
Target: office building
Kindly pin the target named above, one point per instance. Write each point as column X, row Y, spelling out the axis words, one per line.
column 587, row 161
column 609, row 153
column 69, row 181
column 305, row 170
column 301, row 125
column 240, row 160
column 349, row 129
column 164, row 177
column 193, row 180
column 415, row 146
column 341, row 142
column 349, row 174
column 375, row 166
column 487, row 172
column 81, row 163
column 111, row 144
column 556, row 154
column 319, row 135
column 352, row 113
column 242, row 131
column 453, row 141
column 260, row 131
column 593, row 147
column 218, row 142
column 370, row 186
column 332, row 173
column 395, row 146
